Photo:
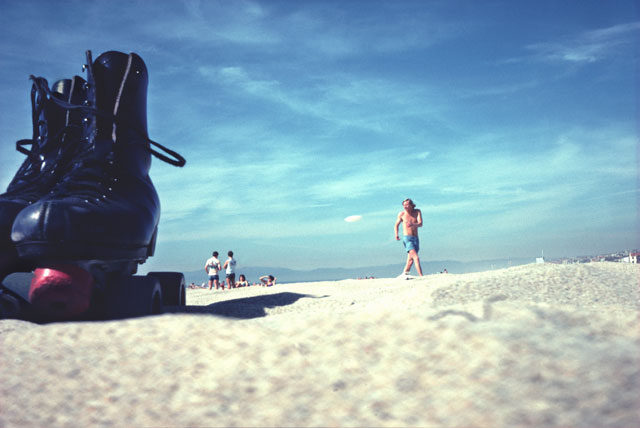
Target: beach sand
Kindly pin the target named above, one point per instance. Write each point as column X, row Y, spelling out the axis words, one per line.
column 536, row 345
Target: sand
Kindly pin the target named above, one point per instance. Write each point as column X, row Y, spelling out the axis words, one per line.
column 535, row 345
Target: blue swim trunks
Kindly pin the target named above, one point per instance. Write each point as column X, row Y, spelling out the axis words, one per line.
column 214, row 278
column 411, row 243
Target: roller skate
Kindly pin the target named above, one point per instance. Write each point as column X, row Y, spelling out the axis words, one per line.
column 51, row 148
column 86, row 237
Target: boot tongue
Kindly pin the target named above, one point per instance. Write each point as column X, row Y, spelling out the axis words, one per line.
column 121, row 90
column 77, row 95
column 53, row 114
column 64, row 125
column 62, row 88
column 109, row 70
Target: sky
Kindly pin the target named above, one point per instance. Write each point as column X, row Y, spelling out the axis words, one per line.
column 513, row 125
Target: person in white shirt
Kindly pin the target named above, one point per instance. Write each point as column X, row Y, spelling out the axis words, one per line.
column 230, row 266
column 212, row 267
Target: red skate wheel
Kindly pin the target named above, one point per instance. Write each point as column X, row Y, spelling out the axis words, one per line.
column 60, row 291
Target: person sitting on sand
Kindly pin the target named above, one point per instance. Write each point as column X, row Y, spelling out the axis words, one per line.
column 242, row 281
column 268, row 280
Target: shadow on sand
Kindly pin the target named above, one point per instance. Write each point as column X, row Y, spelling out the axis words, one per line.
column 245, row 308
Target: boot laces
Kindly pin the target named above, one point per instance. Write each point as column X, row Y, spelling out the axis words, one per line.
column 92, row 175
column 176, row 159
column 39, row 165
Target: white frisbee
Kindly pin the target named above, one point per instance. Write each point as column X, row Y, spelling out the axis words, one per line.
column 353, row 218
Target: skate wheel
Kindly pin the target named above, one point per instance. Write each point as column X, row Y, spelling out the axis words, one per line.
column 133, row 296
column 60, row 291
column 173, row 287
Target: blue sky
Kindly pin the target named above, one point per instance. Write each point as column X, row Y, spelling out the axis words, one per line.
column 512, row 124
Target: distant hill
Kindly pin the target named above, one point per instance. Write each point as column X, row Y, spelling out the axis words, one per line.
column 335, row 274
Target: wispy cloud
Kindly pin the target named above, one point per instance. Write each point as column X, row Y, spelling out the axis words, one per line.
column 202, row 23
column 472, row 179
column 587, row 47
column 340, row 32
column 309, row 31
column 343, row 100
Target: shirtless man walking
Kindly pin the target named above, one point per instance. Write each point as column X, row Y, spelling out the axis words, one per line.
column 411, row 219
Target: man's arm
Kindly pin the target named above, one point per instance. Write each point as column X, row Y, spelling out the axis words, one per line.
column 419, row 218
column 395, row 228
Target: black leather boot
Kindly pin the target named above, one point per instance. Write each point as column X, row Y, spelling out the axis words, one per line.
column 105, row 207
column 54, row 130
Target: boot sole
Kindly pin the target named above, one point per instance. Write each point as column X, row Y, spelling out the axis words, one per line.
column 79, row 251
column 46, row 250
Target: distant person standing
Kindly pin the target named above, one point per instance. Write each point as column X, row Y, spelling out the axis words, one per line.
column 212, row 267
column 411, row 219
column 230, row 266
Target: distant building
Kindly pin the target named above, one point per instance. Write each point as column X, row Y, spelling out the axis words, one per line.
column 539, row 259
column 633, row 257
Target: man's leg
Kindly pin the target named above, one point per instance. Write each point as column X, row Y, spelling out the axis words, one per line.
column 407, row 268
column 210, row 284
column 413, row 254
